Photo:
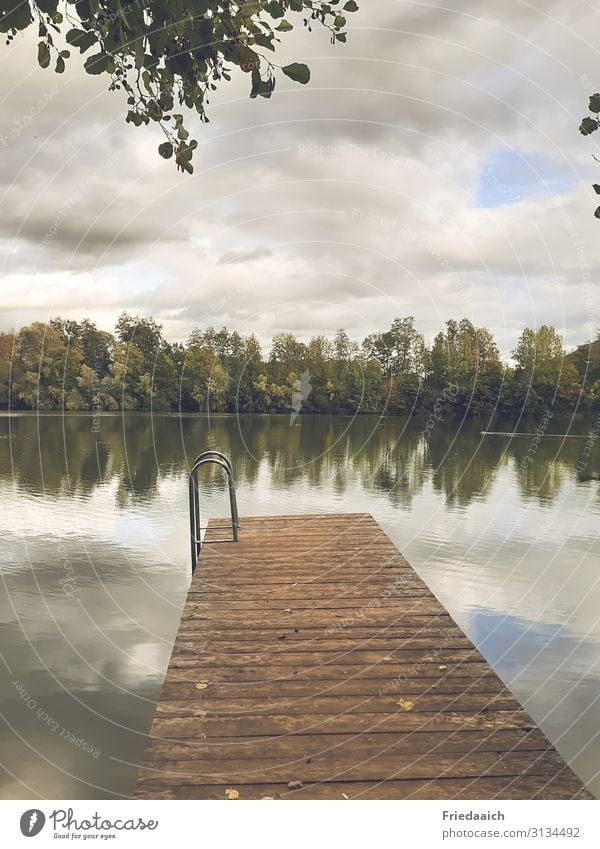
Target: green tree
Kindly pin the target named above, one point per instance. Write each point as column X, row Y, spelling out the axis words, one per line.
column 46, row 369
column 125, row 385
column 287, row 355
column 542, row 378
column 7, row 344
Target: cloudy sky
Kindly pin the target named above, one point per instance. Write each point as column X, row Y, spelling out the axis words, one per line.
column 432, row 167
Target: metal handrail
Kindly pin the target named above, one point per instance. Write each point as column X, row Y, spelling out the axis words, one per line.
column 218, row 459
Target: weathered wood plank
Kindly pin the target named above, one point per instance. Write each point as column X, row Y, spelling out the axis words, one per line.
column 481, row 788
column 301, row 746
column 398, row 723
column 340, row 767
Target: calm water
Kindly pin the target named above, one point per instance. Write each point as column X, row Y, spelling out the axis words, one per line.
column 94, row 564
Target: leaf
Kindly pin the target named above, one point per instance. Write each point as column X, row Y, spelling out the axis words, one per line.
column 351, row 6
column 597, row 212
column 232, row 794
column 97, row 64
column 43, row 55
column 264, row 41
column 166, row 151
column 442, row 667
column 60, row 65
column 298, row 72
column 284, row 26
column 275, row 9
column 287, row 610
column 405, row 705
column 201, row 685
column 49, row 7
column 588, row 126
column 595, row 102
column 596, row 188
column 295, row 785
column 82, row 39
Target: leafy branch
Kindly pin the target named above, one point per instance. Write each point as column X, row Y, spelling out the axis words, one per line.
column 588, row 126
column 171, row 55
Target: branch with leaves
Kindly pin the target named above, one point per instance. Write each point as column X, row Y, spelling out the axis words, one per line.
column 167, row 55
column 588, row 126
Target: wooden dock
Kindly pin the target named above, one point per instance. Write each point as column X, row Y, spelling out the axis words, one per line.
column 312, row 662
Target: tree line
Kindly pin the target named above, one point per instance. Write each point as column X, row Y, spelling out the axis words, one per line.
column 70, row 365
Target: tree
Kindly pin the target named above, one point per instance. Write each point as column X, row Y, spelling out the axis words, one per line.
column 287, row 355
column 45, row 368
column 541, row 373
column 167, row 54
column 95, row 345
column 466, row 361
column 7, row 344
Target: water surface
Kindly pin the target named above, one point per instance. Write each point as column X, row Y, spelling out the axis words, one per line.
column 95, row 564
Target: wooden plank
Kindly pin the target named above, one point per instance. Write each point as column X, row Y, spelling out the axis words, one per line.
column 322, row 659
column 301, row 746
column 394, row 673
column 482, row 788
column 274, row 726
column 333, row 767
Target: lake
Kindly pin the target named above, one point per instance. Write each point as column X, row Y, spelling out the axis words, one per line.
column 95, row 563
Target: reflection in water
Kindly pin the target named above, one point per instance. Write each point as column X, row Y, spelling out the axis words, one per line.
column 95, row 564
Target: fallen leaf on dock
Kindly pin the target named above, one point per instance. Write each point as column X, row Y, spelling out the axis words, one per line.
column 287, row 610
column 442, row 667
column 281, row 636
column 345, row 797
column 232, row 794
column 295, row 785
column 386, row 659
column 201, row 685
column 405, row 704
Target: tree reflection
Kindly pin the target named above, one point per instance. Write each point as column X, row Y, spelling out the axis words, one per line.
column 74, row 455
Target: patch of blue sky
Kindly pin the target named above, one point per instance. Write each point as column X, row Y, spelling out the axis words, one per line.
column 138, row 277
column 509, row 176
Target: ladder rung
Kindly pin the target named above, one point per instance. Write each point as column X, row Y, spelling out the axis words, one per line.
column 212, row 541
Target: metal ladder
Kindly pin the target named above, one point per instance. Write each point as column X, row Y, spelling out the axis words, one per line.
column 218, row 459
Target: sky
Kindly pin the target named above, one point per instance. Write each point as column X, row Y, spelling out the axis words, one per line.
column 432, row 167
